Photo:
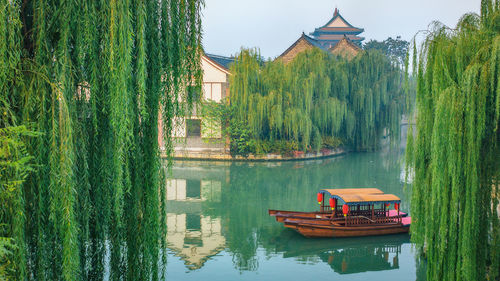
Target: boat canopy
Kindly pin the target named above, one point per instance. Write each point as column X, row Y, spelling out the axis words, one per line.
column 352, row 191
column 361, row 196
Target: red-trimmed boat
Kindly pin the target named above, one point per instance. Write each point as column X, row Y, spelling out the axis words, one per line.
column 348, row 213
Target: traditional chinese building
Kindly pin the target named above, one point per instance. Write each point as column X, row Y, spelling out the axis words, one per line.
column 335, row 30
column 337, row 36
column 193, row 135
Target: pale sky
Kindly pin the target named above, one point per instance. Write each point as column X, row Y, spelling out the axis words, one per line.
column 273, row 25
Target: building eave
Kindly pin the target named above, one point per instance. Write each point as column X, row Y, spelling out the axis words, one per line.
column 349, row 42
column 215, row 64
column 302, row 37
column 331, row 30
column 335, row 16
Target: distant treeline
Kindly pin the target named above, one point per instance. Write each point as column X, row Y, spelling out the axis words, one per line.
column 315, row 101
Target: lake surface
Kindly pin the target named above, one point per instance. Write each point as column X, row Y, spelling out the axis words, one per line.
column 219, row 229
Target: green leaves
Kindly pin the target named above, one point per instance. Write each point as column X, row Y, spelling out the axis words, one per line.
column 317, row 96
column 455, row 149
column 94, row 88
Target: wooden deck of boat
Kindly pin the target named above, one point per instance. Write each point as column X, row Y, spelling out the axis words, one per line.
column 280, row 215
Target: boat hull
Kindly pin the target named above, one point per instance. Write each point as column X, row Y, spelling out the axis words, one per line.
column 280, row 216
column 322, row 230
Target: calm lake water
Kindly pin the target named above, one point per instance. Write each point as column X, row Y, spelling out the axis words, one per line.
column 219, row 229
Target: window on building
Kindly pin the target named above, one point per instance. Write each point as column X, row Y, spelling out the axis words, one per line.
column 193, row 128
column 193, row 222
column 193, row 189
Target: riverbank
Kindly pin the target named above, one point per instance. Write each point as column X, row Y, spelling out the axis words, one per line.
column 218, row 155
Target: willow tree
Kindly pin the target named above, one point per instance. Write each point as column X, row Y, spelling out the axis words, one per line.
column 455, row 152
column 316, row 96
column 93, row 90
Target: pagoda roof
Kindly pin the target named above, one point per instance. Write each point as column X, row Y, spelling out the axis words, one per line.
column 337, row 25
column 338, row 37
column 311, row 41
column 348, row 42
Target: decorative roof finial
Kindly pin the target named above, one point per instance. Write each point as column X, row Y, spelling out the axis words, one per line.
column 336, row 12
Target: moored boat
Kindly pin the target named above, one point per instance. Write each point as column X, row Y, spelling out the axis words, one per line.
column 349, row 212
column 280, row 215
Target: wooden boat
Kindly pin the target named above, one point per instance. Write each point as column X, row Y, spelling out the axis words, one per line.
column 354, row 212
column 281, row 215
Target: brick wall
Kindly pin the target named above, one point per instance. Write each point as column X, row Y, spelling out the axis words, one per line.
column 345, row 49
column 301, row 46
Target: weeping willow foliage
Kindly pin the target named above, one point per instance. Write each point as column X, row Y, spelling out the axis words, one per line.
column 455, row 152
column 91, row 78
column 317, row 95
column 15, row 164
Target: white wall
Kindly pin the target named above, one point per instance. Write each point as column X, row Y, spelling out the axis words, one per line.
column 211, row 72
column 213, row 78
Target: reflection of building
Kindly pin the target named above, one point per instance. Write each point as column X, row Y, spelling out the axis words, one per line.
column 194, row 238
column 337, row 37
column 193, row 190
column 193, row 235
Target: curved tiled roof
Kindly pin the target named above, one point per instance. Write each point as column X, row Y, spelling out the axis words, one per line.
column 339, row 37
column 327, row 37
column 331, row 35
column 336, row 15
column 313, row 42
column 348, row 41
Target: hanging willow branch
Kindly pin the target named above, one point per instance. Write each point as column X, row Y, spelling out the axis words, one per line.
column 455, row 150
column 94, row 88
column 317, row 96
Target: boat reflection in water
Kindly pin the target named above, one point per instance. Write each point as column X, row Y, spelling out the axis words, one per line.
column 345, row 255
column 364, row 258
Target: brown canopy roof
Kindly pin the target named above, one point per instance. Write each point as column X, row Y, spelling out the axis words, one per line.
column 373, row 198
column 353, row 191
column 362, row 195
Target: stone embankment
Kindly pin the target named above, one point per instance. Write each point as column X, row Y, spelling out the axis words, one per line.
column 219, row 155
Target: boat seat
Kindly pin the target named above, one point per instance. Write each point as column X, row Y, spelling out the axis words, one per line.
column 406, row 220
column 393, row 213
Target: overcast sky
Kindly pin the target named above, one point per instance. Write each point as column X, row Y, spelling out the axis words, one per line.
column 273, row 25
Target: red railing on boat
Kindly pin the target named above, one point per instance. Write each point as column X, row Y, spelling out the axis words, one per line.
column 358, row 220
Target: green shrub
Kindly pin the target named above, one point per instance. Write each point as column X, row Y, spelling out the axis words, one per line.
column 241, row 142
column 331, row 142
